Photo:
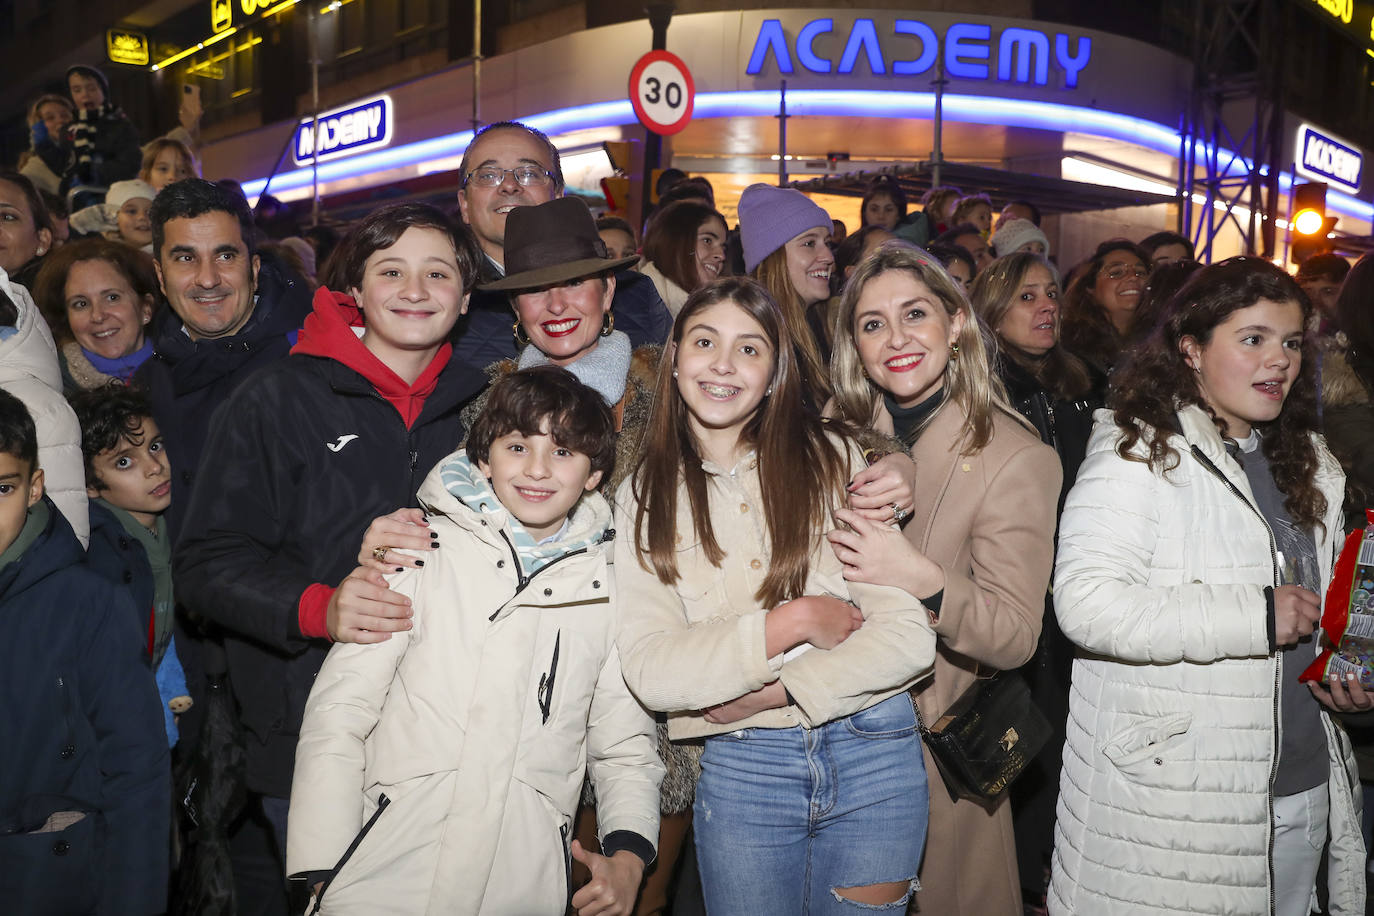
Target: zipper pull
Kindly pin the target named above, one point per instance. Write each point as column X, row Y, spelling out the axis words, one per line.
column 414, row 459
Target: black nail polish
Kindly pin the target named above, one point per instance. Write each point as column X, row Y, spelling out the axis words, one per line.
column 400, row 569
column 434, row 534
column 419, row 562
column 434, row 545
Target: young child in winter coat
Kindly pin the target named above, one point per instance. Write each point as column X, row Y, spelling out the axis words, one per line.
column 440, row 770
column 84, row 779
column 129, row 482
column 104, row 142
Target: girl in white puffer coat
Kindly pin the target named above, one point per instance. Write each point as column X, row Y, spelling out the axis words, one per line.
column 1199, row 775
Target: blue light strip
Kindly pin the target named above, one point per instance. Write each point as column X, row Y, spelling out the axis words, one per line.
column 970, row 109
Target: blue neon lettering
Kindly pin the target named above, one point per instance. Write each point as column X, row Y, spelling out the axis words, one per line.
column 805, row 55
column 1335, row 160
column 1022, row 44
column 771, row 38
column 1023, row 55
column 863, row 36
column 1072, row 65
column 930, row 47
column 962, row 40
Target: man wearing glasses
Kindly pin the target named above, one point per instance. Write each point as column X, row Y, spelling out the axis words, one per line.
column 509, row 165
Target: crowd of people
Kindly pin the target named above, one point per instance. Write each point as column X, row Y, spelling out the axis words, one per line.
column 293, row 551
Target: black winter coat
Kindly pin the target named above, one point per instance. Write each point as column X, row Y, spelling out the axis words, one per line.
column 187, row 380
column 83, row 732
column 301, row 459
column 1066, row 426
column 115, row 153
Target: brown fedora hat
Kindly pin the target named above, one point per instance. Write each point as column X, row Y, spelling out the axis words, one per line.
column 551, row 243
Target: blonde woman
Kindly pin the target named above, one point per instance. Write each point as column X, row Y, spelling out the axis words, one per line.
column 911, row 360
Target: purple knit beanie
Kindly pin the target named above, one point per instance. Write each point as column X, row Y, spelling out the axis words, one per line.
column 771, row 217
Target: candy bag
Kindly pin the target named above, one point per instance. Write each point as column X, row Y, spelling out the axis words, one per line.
column 1348, row 614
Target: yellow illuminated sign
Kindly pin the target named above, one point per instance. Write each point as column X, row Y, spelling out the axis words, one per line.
column 125, row 47
column 1353, row 18
column 221, row 15
column 1344, row 10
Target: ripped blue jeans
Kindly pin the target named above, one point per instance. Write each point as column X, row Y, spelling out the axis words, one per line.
column 784, row 817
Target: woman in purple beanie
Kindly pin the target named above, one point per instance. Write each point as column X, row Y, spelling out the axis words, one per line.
column 784, row 236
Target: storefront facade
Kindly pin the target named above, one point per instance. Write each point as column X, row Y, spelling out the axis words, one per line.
column 1020, row 96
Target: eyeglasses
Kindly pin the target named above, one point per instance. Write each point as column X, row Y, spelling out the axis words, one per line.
column 1120, row 270
column 526, row 175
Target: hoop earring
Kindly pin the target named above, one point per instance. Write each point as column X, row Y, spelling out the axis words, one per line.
column 521, row 338
column 607, row 324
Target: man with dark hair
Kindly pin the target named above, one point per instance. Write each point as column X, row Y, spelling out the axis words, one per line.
column 967, row 237
column 509, row 165
column 1167, row 248
column 1321, row 276
column 231, row 313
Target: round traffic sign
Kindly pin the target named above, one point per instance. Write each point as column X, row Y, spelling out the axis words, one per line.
column 662, row 92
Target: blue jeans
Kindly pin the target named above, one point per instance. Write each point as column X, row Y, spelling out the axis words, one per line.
column 785, row 816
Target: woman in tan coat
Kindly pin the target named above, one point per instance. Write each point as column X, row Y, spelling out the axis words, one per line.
column 911, row 360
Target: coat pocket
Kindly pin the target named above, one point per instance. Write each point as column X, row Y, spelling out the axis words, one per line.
column 382, row 802
column 1147, row 749
column 54, row 862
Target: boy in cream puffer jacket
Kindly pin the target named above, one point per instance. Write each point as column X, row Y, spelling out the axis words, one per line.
column 439, row 770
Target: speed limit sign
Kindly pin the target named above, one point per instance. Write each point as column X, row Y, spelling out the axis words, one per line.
column 662, row 92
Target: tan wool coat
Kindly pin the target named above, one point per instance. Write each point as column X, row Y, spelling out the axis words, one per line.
column 988, row 520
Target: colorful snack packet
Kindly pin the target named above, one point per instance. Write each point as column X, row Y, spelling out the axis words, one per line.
column 1348, row 614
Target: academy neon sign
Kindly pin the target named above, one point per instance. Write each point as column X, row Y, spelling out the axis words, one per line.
column 968, row 109
column 911, row 47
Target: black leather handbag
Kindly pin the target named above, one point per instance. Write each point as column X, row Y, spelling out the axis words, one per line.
column 986, row 738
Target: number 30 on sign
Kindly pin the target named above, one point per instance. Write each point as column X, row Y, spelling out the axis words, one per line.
column 662, row 92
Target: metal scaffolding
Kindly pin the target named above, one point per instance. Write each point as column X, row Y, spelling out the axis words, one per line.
column 1230, row 148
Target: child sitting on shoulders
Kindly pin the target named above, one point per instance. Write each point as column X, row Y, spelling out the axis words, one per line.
column 129, row 483
column 85, row 800
column 440, row 770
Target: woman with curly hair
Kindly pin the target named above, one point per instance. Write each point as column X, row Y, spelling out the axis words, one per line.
column 1199, row 775
column 1099, row 310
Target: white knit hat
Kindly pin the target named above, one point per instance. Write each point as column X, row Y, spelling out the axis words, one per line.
column 1011, row 234
column 121, row 192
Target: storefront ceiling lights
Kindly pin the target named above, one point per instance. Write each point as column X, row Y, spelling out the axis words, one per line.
column 202, row 45
column 1005, row 112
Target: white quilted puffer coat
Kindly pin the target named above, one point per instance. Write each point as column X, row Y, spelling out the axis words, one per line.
column 1164, row 803
column 477, row 726
column 29, row 370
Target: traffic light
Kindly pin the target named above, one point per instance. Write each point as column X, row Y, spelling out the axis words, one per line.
column 1308, row 224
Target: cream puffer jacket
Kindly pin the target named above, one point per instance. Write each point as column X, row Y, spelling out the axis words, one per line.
column 1164, row 799
column 701, row 642
column 477, row 726
column 29, row 370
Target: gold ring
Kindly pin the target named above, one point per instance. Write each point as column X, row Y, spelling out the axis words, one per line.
column 379, row 553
